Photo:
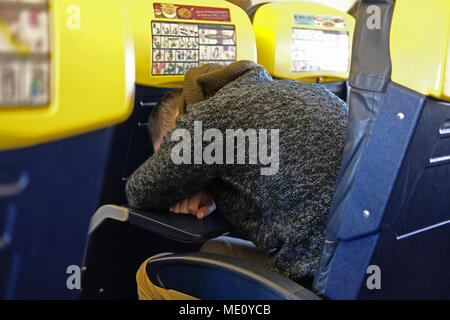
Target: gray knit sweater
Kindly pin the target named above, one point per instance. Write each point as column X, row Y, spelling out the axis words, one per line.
column 284, row 214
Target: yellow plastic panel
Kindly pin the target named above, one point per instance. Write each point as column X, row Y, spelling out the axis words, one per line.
column 91, row 70
column 419, row 44
column 150, row 18
column 278, row 47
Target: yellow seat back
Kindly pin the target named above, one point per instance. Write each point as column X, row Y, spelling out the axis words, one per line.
column 171, row 37
column 302, row 40
column 419, row 46
column 66, row 67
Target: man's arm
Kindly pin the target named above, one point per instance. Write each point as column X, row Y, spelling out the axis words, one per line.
column 160, row 183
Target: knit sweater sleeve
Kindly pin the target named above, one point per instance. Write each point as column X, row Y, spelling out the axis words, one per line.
column 159, row 182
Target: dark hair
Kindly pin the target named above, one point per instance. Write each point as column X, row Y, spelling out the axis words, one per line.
column 163, row 114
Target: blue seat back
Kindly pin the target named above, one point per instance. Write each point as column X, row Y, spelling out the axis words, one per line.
column 390, row 213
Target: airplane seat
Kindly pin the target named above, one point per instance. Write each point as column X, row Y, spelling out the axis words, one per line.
column 389, row 224
column 63, row 84
column 304, row 41
column 237, row 278
column 389, row 218
column 252, row 10
column 221, row 277
column 169, row 39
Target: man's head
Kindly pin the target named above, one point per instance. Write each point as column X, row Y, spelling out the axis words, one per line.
column 163, row 116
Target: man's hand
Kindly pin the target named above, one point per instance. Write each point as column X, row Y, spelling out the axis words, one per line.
column 200, row 205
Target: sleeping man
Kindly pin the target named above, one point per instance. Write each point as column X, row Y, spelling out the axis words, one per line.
column 265, row 152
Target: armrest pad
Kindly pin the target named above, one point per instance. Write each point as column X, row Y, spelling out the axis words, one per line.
column 184, row 228
column 219, row 277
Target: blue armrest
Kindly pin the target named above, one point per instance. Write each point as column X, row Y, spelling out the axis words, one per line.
column 184, row 228
column 219, row 277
